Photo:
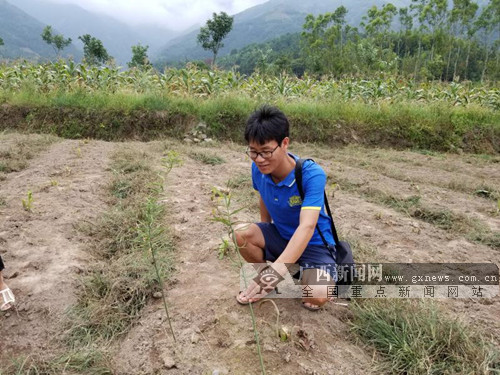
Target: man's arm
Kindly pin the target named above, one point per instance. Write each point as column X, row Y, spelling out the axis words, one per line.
column 301, row 237
column 264, row 214
column 293, row 251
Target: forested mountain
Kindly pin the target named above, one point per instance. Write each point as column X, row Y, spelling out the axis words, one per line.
column 270, row 20
column 21, row 36
column 265, row 22
column 117, row 37
column 430, row 39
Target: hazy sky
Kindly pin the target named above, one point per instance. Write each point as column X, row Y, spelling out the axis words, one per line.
column 174, row 14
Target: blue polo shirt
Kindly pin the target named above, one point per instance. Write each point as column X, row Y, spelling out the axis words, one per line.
column 284, row 204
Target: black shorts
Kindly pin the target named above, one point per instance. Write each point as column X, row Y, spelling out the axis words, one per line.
column 314, row 256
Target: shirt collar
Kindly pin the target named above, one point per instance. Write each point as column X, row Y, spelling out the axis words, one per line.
column 289, row 180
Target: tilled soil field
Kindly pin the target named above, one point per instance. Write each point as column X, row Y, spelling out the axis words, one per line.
column 46, row 254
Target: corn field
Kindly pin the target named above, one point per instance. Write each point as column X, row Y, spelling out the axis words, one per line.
column 191, row 81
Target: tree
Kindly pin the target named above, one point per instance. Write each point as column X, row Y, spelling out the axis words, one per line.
column 335, row 33
column 1, row 42
column 216, row 29
column 489, row 22
column 321, row 35
column 406, row 22
column 58, row 42
column 463, row 14
column 379, row 22
column 93, row 50
column 139, row 57
column 432, row 16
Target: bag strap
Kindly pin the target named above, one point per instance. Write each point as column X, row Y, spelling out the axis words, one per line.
column 298, row 180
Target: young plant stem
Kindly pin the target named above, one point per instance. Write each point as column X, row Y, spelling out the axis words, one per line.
column 158, row 273
column 227, row 220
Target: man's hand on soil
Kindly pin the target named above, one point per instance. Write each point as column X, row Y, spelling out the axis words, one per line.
column 265, row 282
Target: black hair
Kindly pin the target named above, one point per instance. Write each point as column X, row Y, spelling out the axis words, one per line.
column 266, row 124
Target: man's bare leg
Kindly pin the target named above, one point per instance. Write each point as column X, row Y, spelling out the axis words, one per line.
column 319, row 297
column 251, row 244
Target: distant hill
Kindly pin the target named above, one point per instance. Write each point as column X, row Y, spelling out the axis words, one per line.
column 265, row 22
column 21, row 35
column 117, row 37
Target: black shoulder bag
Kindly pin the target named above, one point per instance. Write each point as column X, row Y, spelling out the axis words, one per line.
column 344, row 258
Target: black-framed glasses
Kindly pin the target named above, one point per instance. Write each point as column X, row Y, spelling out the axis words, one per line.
column 264, row 154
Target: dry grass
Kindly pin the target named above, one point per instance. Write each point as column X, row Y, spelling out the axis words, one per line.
column 121, row 280
column 118, row 287
column 86, row 361
column 454, row 222
column 16, row 152
column 416, row 337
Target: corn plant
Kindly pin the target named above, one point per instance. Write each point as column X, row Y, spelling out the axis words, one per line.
column 68, row 77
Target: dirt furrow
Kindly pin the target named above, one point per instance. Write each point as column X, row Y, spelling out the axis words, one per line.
column 438, row 199
column 213, row 332
column 464, row 167
column 43, row 252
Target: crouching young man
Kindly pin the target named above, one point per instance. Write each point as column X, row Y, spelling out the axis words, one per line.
column 287, row 231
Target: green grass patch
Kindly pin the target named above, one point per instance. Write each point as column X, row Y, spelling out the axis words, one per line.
column 240, row 181
column 488, row 192
column 363, row 252
column 491, row 239
column 418, row 338
column 146, row 116
column 207, row 158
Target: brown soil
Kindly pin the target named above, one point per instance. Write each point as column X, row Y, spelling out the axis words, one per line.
column 43, row 252
column 44, row 255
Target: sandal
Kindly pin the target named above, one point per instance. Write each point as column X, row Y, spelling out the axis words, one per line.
column 240, row 301
column 311, row 307
column 7, row 298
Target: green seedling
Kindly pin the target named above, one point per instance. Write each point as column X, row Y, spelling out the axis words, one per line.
column 78, row 152
column 334, row 187
column 28, row 202
column 224, row 248
column 150, row 231
column 54, row 183
column 171, row 160
column 282, row 332
column 225, row 214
